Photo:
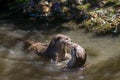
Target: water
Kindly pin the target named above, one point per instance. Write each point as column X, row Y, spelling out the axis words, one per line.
column 102, row 56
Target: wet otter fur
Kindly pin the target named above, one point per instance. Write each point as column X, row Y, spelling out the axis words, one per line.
column 54, row 51
column 78, row 55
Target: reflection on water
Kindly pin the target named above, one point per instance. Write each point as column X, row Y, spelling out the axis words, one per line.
column 102, row 63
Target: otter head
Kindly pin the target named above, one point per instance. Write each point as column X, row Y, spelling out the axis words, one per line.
column 78, row 55
column 56, row 48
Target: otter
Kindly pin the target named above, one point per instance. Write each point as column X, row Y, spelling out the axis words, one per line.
column 77, row 55
column 54, row 51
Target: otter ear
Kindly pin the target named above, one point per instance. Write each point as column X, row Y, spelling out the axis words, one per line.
column 54, row 41
column 57, row 40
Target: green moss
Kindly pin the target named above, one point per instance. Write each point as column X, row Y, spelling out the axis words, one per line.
column 87, row 25
column 102, row 29
column 114, row 23
column 117, row 3
column 85, row 6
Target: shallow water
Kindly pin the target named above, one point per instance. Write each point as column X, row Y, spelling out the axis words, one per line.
column 102, row 56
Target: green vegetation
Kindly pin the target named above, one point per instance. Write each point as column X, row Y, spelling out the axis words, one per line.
column 104, row 16
column 98, row 16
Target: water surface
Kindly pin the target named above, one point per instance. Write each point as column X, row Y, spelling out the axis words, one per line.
column 102, row 56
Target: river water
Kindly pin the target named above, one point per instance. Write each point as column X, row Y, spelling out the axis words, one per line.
column 103, row 56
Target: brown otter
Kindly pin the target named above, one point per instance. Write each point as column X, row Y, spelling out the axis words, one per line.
column 78, row 55
column 55, row 50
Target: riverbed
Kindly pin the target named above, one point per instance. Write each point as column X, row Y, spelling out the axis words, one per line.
column 103, row 55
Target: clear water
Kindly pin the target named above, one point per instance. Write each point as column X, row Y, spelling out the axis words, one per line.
column 103, row 56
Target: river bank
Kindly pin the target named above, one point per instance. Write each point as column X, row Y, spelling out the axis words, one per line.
column 100, row 17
